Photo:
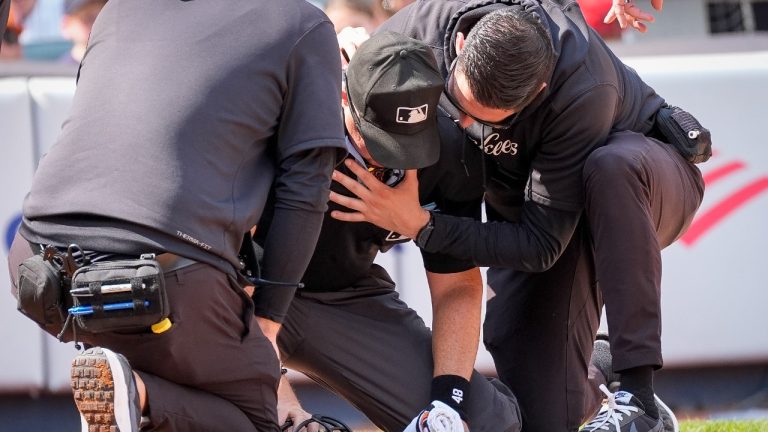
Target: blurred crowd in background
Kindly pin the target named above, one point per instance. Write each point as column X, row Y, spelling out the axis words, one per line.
column 49, row 30
column 57, row 30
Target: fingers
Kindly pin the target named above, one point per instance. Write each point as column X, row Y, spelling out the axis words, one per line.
column 300, row 416
column 639, row 26
column 363, row 176
column 362, row 191
column 638, row 14
column 348, row 202
column 657, row 4
column 629, row 14
column 618, row 11
column 635, row 18
column 348, row 216
column 313, row 427
column 351, row 184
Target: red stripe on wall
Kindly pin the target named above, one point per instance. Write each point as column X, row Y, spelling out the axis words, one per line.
column 706, row 221
column 722, row 172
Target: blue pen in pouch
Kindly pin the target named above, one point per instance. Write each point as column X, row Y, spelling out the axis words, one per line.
column 88, row 310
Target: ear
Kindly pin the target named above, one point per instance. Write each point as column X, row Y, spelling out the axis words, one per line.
column 543, row 86
column 459, row 42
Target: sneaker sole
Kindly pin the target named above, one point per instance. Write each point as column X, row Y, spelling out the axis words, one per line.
column 670, row 414
column 100, row 392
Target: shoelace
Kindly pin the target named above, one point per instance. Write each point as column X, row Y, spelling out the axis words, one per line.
column 611, row 414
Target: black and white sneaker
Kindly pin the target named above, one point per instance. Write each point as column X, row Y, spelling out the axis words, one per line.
column 667, row 416
column 105, row 392
column 602, row 360
column 622, row 412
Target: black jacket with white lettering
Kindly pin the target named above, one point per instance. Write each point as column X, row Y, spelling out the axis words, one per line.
column 535, row 169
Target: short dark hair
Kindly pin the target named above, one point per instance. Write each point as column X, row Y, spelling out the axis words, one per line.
column 507, row 55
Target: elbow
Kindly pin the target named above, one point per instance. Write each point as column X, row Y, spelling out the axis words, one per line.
column 547, row 261
column 307, row 202
column 464, row 287
column 542, row 258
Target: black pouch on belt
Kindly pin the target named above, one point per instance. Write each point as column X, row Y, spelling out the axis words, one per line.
column 680, row 129
column 41, row 293
column 120, row 295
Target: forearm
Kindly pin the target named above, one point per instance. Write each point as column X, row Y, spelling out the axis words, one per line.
column 288, row 405
column 301, row 199
column 290, row 244
column 533, row 244
column 301, row 194
column 287, row 250
column 270, row 329
column 285, row 392
column 456, row 304
column 456, row 319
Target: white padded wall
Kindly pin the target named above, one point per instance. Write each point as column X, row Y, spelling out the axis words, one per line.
column 21, row 365
column 51, row 99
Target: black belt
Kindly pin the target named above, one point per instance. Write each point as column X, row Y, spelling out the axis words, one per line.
column 169, row 262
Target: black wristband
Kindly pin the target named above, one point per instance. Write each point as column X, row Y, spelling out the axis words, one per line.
column 451, row 390
column 422, row 237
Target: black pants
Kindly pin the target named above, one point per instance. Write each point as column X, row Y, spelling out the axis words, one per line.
column 369, row 347
column 640, row 197
column 202, row 374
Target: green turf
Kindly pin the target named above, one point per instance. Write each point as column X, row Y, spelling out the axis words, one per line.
column 724, row 426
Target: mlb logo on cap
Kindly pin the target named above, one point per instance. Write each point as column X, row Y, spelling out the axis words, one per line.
column 412, row 115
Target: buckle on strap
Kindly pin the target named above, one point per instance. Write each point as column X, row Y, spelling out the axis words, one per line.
column 170, row 262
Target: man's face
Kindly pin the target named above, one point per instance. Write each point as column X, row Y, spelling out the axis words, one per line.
column 354, row 134
column 349, row 121
column 470, row 110
column 390, row 177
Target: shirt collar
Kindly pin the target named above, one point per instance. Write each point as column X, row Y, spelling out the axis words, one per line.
column 354, row 152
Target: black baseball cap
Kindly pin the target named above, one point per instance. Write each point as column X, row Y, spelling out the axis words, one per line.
column 394, row 86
